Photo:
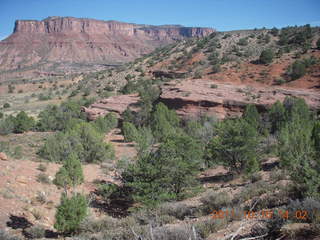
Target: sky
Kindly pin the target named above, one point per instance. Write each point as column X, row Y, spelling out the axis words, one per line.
column 222, row 15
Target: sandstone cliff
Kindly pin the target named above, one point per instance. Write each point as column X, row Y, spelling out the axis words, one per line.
column 78, row 40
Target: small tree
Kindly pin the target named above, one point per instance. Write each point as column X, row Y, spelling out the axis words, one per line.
column 297, row 70
column 70, row 174
column 235, row 144
column 277, row 116
column 252, row 116
column 164, row 121
column 266, row 56
column 130, row 132
column 23, row 123
column 70, row 213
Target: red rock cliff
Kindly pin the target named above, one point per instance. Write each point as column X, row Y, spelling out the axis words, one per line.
column 80, row 40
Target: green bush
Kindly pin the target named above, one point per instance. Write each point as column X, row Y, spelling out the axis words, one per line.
column 23, row 123
column 83, row 139
column 243, row 42
column 35, row 232
column 266, row 56
column 70, row 174
column 252, row 116
column 166, row 173
column 235, row 145
column 55, row 118
column 106, row 123
column 216, row 68
column 164, row 122
column 6, row 105
column 276, row 116
column 70, row 213
column 43, row 178
column 7, row 125
column 297, row 70
column 130, row 132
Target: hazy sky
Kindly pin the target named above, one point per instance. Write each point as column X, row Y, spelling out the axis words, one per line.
column 220, row 14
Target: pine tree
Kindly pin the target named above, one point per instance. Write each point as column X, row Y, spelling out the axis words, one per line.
column 252, row 116
column 70, row 213
column 130, row 132
column 277, row 116
column 70, row 174
column 235, row 145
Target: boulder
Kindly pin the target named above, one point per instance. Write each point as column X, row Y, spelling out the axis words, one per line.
column 3, row 156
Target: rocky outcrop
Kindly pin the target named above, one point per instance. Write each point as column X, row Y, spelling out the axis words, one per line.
column 64, row 40
column 114, row 104
column 199, row 96
column 169, row 74
column 3, row 156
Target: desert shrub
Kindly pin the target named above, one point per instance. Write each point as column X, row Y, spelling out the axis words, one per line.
column 216, row 68
column 266, row 56
column 6, row 236
column 318, row 43
column 83, row 139
column 6, row 105
column 7, row 125
column 206, row 227
column 23, row 122
column 197, row 74
column 35, row 232
column 106, row 123
column 297, row 70
column 17, row 152
column 70, row 213
column 55, row 118
column 213, row 86
column 71, row 173
column 43, row 178
column 253, row 190
column 213, row 200
column 175, row 209
column 42, row 167
column 1, row 115
column 243, row 42
column 181, row 232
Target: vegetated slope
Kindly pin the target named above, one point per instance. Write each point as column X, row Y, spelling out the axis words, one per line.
column 258, row 66
column 63, row 44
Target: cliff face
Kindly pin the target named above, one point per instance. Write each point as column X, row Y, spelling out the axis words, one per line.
column 74, row 40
